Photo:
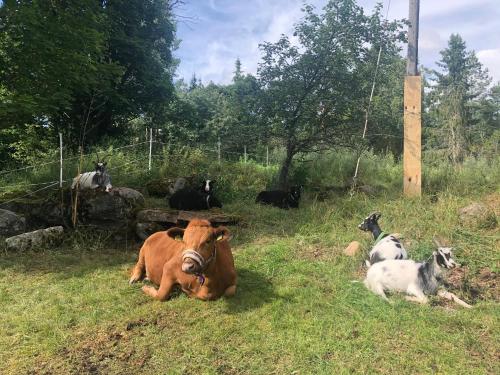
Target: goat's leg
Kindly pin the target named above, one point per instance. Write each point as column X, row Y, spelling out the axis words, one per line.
column 453, row 297
column 416, row 295
column 378, row 289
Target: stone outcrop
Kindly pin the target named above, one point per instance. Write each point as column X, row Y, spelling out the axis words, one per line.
column 38, row 239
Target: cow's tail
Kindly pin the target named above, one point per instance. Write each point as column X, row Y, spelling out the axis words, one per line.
column 139, row 269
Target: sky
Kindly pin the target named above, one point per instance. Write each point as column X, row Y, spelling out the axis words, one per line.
column 214, row 33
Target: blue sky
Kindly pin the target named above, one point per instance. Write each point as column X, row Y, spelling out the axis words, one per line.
column 216, row 32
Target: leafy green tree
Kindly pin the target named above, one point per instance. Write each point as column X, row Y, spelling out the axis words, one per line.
column 84, row 68
column 316, row 86
column 455, row 91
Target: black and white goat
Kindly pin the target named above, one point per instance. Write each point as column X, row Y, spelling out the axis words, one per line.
column 195, row 199
column 280, row 198
column 387, row 246
column 93, row 180
column 417, row 280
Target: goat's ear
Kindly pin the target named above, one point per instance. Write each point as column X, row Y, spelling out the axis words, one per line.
column 222, row 233
column 175, row 233
column 105, row 163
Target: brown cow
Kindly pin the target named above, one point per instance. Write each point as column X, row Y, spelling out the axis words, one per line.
column 198, row 259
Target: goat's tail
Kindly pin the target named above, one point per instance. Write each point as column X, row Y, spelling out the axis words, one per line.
column 367, row 263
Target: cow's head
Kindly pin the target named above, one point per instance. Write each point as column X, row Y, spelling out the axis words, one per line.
column 199, row 240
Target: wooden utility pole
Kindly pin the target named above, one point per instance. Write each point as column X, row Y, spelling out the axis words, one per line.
column 412, row 164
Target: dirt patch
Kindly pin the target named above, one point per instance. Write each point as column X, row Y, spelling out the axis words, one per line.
column 319, row 252
column 481, row 286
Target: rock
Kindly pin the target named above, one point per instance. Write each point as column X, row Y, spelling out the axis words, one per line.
column 165, row 187
column 41, row 238
column 110, row 211
column 168, row 218
column 144, row 230
column 353, row 248
column 157, row 216
column 158, row 188
column 214, row 217
column 11, row 223
column 130, row 195
column 477, row 216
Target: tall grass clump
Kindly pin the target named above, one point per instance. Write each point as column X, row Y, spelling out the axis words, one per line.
column 474, row 175
column 336, row 168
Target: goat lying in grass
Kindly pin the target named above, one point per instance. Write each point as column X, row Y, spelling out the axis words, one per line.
column 386, row 245
column 280, row 198
column 415, row 279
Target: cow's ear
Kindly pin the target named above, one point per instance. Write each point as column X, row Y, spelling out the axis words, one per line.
column 175, row 233
column 222, row 233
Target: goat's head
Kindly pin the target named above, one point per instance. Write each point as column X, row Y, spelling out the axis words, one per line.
column 207, row 186
column 100, row 165
column 100, row 168
column 444, row 257
column 370, row 221
column 295, row 192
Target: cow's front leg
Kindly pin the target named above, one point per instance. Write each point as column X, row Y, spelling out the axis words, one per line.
column 230, row 291
column 162, row 292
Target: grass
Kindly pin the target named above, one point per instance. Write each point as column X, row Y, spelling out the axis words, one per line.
column 296, row 311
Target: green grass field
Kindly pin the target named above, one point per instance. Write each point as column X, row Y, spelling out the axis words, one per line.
column 71, row 311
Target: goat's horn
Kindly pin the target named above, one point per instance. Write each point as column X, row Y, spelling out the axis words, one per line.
column 97, row 154
column 436, row 241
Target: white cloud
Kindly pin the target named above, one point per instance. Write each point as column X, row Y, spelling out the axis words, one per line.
column 491, row 59
column 228, row 29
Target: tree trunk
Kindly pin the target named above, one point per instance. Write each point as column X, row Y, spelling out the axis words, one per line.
column 285, row 168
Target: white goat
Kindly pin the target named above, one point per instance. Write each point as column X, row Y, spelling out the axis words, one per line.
column 415, row 279
column 93, row 180
column 386, row 246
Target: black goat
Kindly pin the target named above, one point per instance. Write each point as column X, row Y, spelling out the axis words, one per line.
column 189, row 199
column 280, row 198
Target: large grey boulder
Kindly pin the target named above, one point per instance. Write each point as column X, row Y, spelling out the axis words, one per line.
column 42, row 238
column 113, row 210
column 11, row 223
column 477, row 215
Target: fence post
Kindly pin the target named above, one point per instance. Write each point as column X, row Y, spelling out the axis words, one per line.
column 267, row 156
column 60, row 161
column 218, row 149
column 245, row 153
column 150, row 146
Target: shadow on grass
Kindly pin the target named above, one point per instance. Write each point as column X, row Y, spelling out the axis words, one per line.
column 253, row 291
column 67, row 262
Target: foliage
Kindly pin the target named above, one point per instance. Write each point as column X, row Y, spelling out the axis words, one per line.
column 456, row 101
column 85, row 68
column 316, row 85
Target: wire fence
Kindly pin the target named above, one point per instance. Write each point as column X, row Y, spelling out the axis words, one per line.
column 140, row 158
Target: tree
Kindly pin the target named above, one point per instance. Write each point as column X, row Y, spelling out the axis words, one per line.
column 85, row 68
column 461, row 83
column 317, row 85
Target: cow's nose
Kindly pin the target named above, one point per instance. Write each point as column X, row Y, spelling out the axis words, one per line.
column 188, row 267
